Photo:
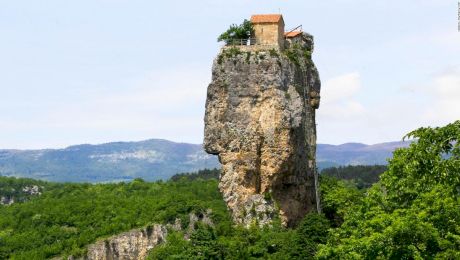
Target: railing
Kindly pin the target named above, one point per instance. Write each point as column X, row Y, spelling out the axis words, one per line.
column 298, row 27
column 249, row 41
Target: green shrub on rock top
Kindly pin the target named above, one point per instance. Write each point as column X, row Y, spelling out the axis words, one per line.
column 237, row 32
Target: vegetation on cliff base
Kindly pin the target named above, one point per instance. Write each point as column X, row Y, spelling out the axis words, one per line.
column 254, row 243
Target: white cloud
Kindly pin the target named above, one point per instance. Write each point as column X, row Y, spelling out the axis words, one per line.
column 445, row 95
column 338, row 97
column 341, row 87
column 342, row 116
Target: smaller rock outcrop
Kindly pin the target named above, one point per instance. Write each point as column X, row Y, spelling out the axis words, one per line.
column 6, row 200
column 32, row 190
column 10, row 196
column 134, row 244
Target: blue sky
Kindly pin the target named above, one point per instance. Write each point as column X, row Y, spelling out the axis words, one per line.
column 97, row 71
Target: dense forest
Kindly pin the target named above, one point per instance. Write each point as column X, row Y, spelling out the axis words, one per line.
column 63, row 220
column 411, row 212
column 206, row 174
column 363, row 175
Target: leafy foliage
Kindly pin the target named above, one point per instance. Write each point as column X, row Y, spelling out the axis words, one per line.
column 337, row 196
column 62, row 221
column 413, row 212
column 232, row 243
column 236, row 242
column 311, row 232
column 237, row 32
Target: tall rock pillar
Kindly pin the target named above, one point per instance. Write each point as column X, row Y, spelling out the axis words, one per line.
column 260, row 121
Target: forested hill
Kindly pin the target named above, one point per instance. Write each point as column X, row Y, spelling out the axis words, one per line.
column 119, row 161
column 153, row 160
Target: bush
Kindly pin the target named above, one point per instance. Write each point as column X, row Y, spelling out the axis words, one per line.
column 412, row 212
column 312, row 231
column 237, row 32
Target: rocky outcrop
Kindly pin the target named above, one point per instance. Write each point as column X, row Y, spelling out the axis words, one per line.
column 204, row 218
column 136, row 244
column 10, row 196
column 260, row 121
column 32, row 190
column 6, row 200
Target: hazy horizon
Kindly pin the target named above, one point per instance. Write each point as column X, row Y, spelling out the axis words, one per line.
column 136, row 141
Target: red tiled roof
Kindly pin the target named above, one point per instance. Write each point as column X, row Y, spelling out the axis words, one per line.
column 266, row 18
column 292, row 34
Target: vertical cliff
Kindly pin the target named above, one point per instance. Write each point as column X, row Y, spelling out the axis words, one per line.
column 260, row 121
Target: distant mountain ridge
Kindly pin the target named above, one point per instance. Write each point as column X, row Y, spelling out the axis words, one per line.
column 119, row 161
column 154, row 159
column 356, row 153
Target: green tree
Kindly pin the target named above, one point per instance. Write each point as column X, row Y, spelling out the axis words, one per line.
column 413, row 211
column 176, row 247
column 312, row 231
column 337, row 197
column 237, row 32
column 67, row 217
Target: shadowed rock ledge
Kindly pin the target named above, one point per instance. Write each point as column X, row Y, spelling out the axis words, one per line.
column 260, row 121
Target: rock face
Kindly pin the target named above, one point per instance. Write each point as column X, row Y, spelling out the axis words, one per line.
column 134, row 244
column 11, row 195
column 33, row 190
column 260, row 121
column 6, row 200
